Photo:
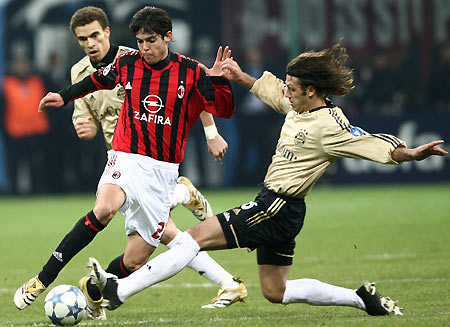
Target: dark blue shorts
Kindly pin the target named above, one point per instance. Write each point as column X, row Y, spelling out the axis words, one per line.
column 269, row 224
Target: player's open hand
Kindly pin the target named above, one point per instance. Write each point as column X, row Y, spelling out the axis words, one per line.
column 429, row 149
column 401, row 153
column 231, row 70
column 216, row 69
column 51, row 100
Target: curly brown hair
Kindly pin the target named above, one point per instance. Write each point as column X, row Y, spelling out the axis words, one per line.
column 325, row 70
column 87, row 15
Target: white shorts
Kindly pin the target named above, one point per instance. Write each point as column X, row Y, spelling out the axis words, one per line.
column 149, row 185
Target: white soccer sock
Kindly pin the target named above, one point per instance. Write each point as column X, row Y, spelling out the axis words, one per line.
column 314, row 292
column 181, row 195
column 159, row 268
column 208, row 267
column 175, row 239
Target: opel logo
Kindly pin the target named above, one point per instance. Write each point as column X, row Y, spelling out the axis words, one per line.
column 152, row 103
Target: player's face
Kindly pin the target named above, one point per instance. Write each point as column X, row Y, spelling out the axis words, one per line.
column 94, row 40
column 296, row 94
column 153, row 47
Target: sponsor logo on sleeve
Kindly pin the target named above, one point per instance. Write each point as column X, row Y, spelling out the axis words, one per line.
column 356, row 131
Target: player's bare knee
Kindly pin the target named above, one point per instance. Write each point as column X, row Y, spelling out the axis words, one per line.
column 134, row 264
column 195, row 234
column 199, row 237
column 274, row 295
column 104, row 213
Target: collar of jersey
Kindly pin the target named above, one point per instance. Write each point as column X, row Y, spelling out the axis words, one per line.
column 109, row 58
column 328, row 104
column 159, row 65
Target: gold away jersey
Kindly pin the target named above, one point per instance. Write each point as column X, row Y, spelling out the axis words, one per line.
column 104, row 105
column 311, row 141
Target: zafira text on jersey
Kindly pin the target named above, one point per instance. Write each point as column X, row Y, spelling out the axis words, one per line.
column 151, row 117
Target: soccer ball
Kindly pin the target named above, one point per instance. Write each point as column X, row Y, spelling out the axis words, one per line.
column 65, row 305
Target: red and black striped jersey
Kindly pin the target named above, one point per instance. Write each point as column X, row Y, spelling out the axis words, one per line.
column 162, row 101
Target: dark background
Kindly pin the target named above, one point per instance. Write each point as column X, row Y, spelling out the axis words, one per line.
column 399, row 50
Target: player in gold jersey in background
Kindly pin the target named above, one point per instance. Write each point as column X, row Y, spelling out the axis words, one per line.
column 314, row 135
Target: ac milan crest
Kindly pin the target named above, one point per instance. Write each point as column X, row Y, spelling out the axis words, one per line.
column 180, row 91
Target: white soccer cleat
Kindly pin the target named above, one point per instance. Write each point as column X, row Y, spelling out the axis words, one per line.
column 197, row 204
column 28, row 292
column 377, row 305
column 94, row 307
column 227, row 297
column 96, row 272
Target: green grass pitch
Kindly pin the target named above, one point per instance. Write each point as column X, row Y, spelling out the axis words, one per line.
column 397, row 236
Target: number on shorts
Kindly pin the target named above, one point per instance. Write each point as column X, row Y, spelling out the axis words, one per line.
column 249, row 205
column 156, row 234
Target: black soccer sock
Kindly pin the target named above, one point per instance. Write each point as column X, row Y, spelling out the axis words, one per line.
column 93, row 291
column 116, row 267
column 81, row 235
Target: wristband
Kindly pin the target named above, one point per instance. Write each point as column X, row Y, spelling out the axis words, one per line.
column 211, row 132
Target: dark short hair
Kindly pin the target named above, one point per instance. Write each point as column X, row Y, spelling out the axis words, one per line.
column 325, row 70
column 87, row 15
column 151, row 20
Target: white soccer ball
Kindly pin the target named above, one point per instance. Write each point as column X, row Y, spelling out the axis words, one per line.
column 65, row 305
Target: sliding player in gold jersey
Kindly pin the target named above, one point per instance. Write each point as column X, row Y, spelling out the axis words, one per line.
column 314, row 135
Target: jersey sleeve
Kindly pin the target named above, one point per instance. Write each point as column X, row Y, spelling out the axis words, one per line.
column 340, row 139
column 216, row 95
column 271, row 90
column 82, row 108
column 104, row 78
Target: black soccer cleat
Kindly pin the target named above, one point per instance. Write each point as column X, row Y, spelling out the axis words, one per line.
column 377, row 305
column 110, row 298
column 106, row 282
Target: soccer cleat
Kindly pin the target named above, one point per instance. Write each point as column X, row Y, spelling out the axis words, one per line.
column 106, row 282
column 28, row 292
column 197, row 204
column 377, row 305
column 94, row 307
column 227, row 297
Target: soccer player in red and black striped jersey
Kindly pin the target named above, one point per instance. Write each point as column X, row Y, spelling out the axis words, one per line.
column 164, row 95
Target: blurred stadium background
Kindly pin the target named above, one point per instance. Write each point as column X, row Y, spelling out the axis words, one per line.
column 400, row 51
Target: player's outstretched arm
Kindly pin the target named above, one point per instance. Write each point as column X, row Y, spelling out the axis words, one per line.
column 216, row 69
column 233, row 72
column 401, row 154
column 51, row 100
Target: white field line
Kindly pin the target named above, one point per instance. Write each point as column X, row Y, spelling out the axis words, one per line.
column 389, row 256
column 191, row 321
